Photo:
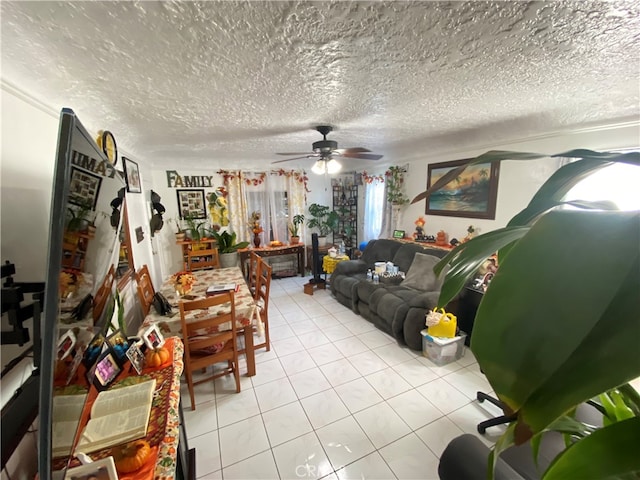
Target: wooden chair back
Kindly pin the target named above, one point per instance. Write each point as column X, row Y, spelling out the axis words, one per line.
column 261, row 297
column 145, row 289
column 252, row 272
column 209, row 258
column 102, row 294
column 205, row 341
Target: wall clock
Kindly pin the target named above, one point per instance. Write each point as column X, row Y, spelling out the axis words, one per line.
column 107, row 142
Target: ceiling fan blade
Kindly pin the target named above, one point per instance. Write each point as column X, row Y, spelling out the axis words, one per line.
column 342, row 151
column 362, row 156
column 295, row 158
column 295, row 153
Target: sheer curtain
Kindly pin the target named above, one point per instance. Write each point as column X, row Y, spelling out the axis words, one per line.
column 374, row 205
column 276, row 195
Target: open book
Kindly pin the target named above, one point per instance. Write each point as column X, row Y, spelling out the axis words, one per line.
column 213, row 289
column 117, row 416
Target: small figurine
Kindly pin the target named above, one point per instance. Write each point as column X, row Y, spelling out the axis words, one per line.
column 470, row 233
column 419, row 233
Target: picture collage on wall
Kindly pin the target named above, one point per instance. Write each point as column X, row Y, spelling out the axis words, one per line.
column 191, row 203
column 84, row 188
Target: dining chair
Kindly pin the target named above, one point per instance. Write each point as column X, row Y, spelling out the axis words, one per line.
column 252, row 272
column 102, row 294
column 205, row 343
column 261, row 298
column 201, row 259
column 145, row 289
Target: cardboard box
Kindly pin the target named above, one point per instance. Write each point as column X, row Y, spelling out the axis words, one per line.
column 442, row 351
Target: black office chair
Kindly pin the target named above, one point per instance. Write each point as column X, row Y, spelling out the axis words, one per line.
column 492, row 422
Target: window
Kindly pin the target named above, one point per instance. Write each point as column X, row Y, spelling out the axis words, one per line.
column 617, row 183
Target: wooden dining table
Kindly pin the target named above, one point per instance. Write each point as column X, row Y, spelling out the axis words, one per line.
column 245, row 306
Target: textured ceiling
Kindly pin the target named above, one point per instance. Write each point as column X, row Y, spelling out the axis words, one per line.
column 231, row 83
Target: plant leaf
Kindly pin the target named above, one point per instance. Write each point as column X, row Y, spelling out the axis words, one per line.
column 569, row 287
column 607, row 452
column 466, row 258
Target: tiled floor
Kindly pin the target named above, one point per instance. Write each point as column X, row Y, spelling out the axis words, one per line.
column 335, row 398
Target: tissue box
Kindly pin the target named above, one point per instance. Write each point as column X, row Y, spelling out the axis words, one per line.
column 443, row 350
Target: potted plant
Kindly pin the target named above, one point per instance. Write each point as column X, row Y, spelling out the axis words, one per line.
column 294, row 228
column 79, row 218
column 228, row 248
column 558, row 325
column 324, row 219
column 195, row 230
column 180, row 233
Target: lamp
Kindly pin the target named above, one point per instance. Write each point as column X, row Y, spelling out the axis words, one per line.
column 323, row 165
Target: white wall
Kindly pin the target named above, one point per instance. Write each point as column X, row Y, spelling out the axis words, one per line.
column 29, row 135
column 518, row 180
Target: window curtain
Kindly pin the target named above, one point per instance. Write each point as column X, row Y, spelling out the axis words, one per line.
column 386, row 229
column 276, row 196
column 374, row 201
column 238, row 207
column 297, row 197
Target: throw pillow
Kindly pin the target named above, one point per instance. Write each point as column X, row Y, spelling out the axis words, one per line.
column 420, row 275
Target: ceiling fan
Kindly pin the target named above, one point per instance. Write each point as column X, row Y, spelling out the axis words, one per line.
column 325, row 150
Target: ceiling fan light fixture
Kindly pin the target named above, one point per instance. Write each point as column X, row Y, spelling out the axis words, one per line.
column 318, row 167
column 333, row 166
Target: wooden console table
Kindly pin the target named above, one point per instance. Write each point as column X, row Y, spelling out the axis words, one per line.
column 297, row 250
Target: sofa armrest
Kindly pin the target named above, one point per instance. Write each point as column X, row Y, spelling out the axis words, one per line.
column 466, row 457
column 426, row 300
column 350, row 267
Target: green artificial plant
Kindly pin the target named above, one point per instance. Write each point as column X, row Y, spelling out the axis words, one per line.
column 294, row 226
column 196, row 230
column 560, row 322
column 227, row 242
column 322, row 218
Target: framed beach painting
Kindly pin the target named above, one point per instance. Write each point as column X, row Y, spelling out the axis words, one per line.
column 472, row 194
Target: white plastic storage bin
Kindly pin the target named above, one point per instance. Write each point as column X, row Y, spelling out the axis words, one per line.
column 443, row 350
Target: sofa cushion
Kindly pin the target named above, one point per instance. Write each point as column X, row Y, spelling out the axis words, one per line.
column 421, row 275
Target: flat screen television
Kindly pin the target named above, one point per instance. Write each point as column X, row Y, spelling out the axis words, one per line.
column 85, row 185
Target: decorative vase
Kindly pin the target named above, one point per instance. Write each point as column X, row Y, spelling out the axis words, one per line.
column 182, row 289
column 256, row 240
column 180, row 237
column 294, row 240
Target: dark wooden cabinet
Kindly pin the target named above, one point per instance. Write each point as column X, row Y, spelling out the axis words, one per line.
column 467, row 308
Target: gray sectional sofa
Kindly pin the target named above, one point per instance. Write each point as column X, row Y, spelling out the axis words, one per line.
column 398, row 309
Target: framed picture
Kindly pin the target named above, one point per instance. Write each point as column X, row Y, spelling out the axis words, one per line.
column 472, row 194
column 119, row 344
column 136, row 357
column 84, row 188
column 152, row 337
column 106, row 370
column 398, row 234
column 94, row 349
column 191, row 202
column 103, row 469
column 65, row 344
column 132, row 175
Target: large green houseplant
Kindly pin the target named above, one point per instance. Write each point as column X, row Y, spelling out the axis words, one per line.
column 322, row 218
column 228, row 247
column 560, row 321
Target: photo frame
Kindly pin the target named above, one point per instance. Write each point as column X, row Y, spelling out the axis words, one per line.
column 119, row 344
column 65, row 344
column 132, row 175
column 191, row 202
column 84, row 188
column 152, row 337
column 103, row 469
column 136, row 357
column 398, row 234
column 105, row 370
column 472, row 194
column 95, row 347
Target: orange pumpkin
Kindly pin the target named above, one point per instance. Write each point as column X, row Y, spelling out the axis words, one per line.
column 132, row 456
column 156, row 357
